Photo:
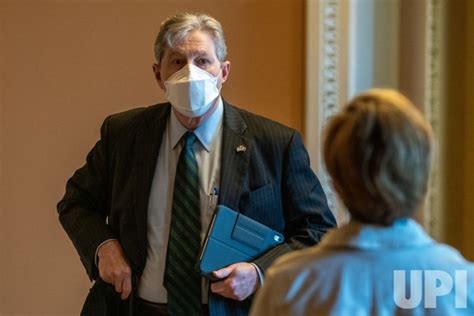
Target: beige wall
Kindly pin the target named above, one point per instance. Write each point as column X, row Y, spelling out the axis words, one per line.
column 2, row 215
column 455, row 153
column 64, row 66
column 468, row 246
column 412, row 50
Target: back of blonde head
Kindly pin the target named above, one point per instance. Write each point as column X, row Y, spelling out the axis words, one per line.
column 378, row 153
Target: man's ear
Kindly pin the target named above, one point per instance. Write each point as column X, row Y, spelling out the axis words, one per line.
column 225, row 68
column 157, row 72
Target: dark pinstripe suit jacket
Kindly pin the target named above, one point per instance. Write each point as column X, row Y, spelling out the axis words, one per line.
column 271, row 182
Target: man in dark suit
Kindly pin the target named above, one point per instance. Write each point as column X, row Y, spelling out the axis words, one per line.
column 138, row 210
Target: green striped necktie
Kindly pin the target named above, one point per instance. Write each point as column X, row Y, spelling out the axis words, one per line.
column 181, row 280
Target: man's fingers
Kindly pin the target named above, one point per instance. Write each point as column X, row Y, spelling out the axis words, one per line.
column 239, row 281
column 224, row 272
column 218, row 287
column 118, row 285
column 114, row 268
column 220, row 274
column 122, row 280
column 126, row 287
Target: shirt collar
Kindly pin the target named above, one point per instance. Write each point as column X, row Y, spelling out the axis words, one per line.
column 402, row 233
column 206, row 132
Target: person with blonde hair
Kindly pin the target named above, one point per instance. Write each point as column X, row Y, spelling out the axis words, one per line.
column 378, row 151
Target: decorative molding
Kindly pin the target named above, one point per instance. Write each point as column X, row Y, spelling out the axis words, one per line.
column 433, row 216
column 329, row 87
column 324, row 83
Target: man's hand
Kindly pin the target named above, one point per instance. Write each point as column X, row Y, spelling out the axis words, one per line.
column 240, row 281
column 114, row 268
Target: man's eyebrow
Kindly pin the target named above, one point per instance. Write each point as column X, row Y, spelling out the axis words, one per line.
column 175, row 53
column 197, row 52
column 200, row 52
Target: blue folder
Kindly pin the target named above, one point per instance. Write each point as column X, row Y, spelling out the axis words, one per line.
column 233, row 237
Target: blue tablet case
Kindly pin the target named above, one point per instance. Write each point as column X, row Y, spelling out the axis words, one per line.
column 233, row 237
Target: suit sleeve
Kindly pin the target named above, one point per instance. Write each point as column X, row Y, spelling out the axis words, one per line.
column 83, row 209
column 308, row 216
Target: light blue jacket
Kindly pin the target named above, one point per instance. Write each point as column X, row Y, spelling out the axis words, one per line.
column 359, row 269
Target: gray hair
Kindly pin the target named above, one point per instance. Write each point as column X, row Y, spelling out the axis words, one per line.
column 378, row 152
column 176, row 28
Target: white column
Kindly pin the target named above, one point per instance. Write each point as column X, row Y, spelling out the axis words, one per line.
column 326, row 43
column 373, row 44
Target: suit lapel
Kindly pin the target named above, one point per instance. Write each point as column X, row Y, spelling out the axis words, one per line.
column 235, row 157
column 147, row 146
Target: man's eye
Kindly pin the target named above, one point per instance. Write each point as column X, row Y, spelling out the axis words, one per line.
column 203, row 61
column 177, row 61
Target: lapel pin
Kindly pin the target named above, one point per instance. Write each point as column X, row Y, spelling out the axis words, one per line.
column 241, row 148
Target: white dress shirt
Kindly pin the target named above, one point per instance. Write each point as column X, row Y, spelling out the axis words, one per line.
column 208, row 153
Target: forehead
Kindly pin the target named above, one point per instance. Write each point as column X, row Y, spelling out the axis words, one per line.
column 196, row 43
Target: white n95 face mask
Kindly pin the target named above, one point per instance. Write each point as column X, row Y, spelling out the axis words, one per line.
column 192, row 91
